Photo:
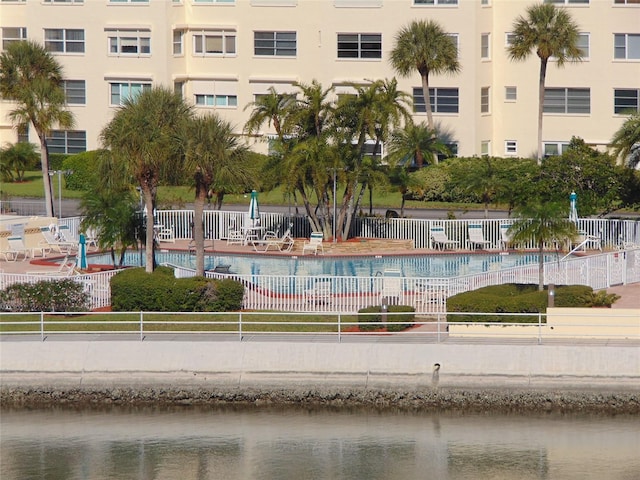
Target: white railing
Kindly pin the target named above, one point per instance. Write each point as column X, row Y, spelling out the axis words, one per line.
column 239, row 326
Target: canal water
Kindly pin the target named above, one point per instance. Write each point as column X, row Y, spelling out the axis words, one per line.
column 294, row 443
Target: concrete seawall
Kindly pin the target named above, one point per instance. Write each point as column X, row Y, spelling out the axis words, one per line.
column 84, row 364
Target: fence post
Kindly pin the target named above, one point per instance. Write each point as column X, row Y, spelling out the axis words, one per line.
column 42, row 326
column 339, row 328
column 438, row 327
column 141, row 326
column 240, row 326
column 539, row 328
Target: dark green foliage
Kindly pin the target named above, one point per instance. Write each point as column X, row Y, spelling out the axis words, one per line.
column 514, row 298
column 136, row 290
column 85, row 169
column 56, row 160
column 65, row 295
column 394, row 323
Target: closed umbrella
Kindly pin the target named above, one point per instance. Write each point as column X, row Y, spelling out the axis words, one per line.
column 83, row 253
column 254, row 209
column 573, row 208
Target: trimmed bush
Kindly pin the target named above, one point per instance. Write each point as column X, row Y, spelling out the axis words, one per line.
column 394, row 323
column 84, row 168
column 136, row 290
column 514, row 298
column 65, row 295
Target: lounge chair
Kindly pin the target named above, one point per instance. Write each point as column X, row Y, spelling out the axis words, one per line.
column 165, row 234
column 8, row 255
column 320, row 293
column 17, row 247
column 440, row 239
column 271, row 240
column 67, row 268
column 50, row 241
column 476, row 236
column 505, row 236
column 392, row 291
column 314, row 243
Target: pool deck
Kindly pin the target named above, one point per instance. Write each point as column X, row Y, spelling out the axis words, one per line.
column 630, row 294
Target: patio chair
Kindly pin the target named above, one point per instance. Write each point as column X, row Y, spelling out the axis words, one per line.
column 392, row 291
column 476, row 236
column 165, row 234
column 17, row 247
column 314, row 243
column 8, row 255
column 50, row 241
column 505, row 237
column 271, row 240
column 67, row 268
column 440, row 239
column 320, row 293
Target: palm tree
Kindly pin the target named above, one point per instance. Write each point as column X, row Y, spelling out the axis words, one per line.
column 424, row 46
column 273, row 109
column 414, row 143
column 18, row 157
column 32, row 78
column 550, row 32
column 146, row 139
column 545, row 223
column 626, row 141
column 215, row 156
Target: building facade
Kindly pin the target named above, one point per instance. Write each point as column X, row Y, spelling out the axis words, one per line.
column 222, row 53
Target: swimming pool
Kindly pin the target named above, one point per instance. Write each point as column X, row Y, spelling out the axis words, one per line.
column 411, row 266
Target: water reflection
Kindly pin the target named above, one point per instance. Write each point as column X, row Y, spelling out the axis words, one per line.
column 230, row 443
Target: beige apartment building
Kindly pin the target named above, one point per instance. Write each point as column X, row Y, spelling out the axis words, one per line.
column 222, row 53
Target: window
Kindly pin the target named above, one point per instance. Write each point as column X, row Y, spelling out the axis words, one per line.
column 178, row 87
column 484, row 45
column 510, row 94
column 177, row 42
column 215, row 42
column 75, row 92
column 13, row 34
column 485, row 147
column 61, row 40
column 23, row 133
column 626, row 101
column 129, row 1
column 511, row 147
column 552, row 149
column 121, row 91
column 567, row 100
column 509, row 38
column 569, row 2
column 435, row 2
column 484, row 2
column 279, row 44
column 63, row 1
column 214, row 1
column 626, row 46
column 129, row 42
column 443, row 100
column 626, row 2
column 216, row 100
column 484, row 100
column 359, row 45
column 453, row 151
column 67, row 141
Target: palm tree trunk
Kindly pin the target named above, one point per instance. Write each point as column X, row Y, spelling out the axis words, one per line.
column 427, row 104
column 198, row 228
column 149, row 237
column 541, row 266
column 46, row 179
column 543, row 74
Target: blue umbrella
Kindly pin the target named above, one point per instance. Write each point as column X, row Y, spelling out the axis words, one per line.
column 573, row 208
column 83, row 252
column 254, row 209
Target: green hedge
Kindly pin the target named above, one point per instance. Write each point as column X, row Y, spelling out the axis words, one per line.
column 514, row 298
column 394, row 323
column 84, row 168
column 65, row 295
column 136, row 290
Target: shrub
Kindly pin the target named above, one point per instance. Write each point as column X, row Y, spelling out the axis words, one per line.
column 371, row 318
column 603, row 299
column 514, row 298
column 65, row 295
column 83, row 165
column 136, row 290
column 56, row 160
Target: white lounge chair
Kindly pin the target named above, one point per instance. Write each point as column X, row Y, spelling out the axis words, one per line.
column 50, row 241
column 440, row 239
column 392, row 291
column 17, row 247
column 67, row 268
column 505, row 236
column 320, row 293
column 314, row 243
column 476, row 236
column 271, row 240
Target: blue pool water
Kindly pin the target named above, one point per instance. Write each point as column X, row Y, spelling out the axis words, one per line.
column 412, row 266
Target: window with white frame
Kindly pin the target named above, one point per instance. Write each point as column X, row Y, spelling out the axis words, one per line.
column 63, row 1
column 453, row 151
column 485, row 147
column 132, row 2
column 64, row 40
column 373, row 149
column 435, row 2
column 583, row 44
column 75, row 92
column 13, row 34
column 124, row 90
column 552, row 149
column 626, row 46
column 511, row 147
column 214, row 1
column 626, row 101
column 263, row 88
column 214, row 42
column 567, row 2
column 23, row 133
column 178, row 87
column 485, row 51
column 509, row 38
column 275, row 44
column 484, row 100
column 443, row 100
column 360, row 45
column 510, row 94
column 627, row 2
column 177, row 42
column 67, row 141
column 484, row 2
column 215, row 93
column 455, row 37
column 567, row 100
column 125, row 41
